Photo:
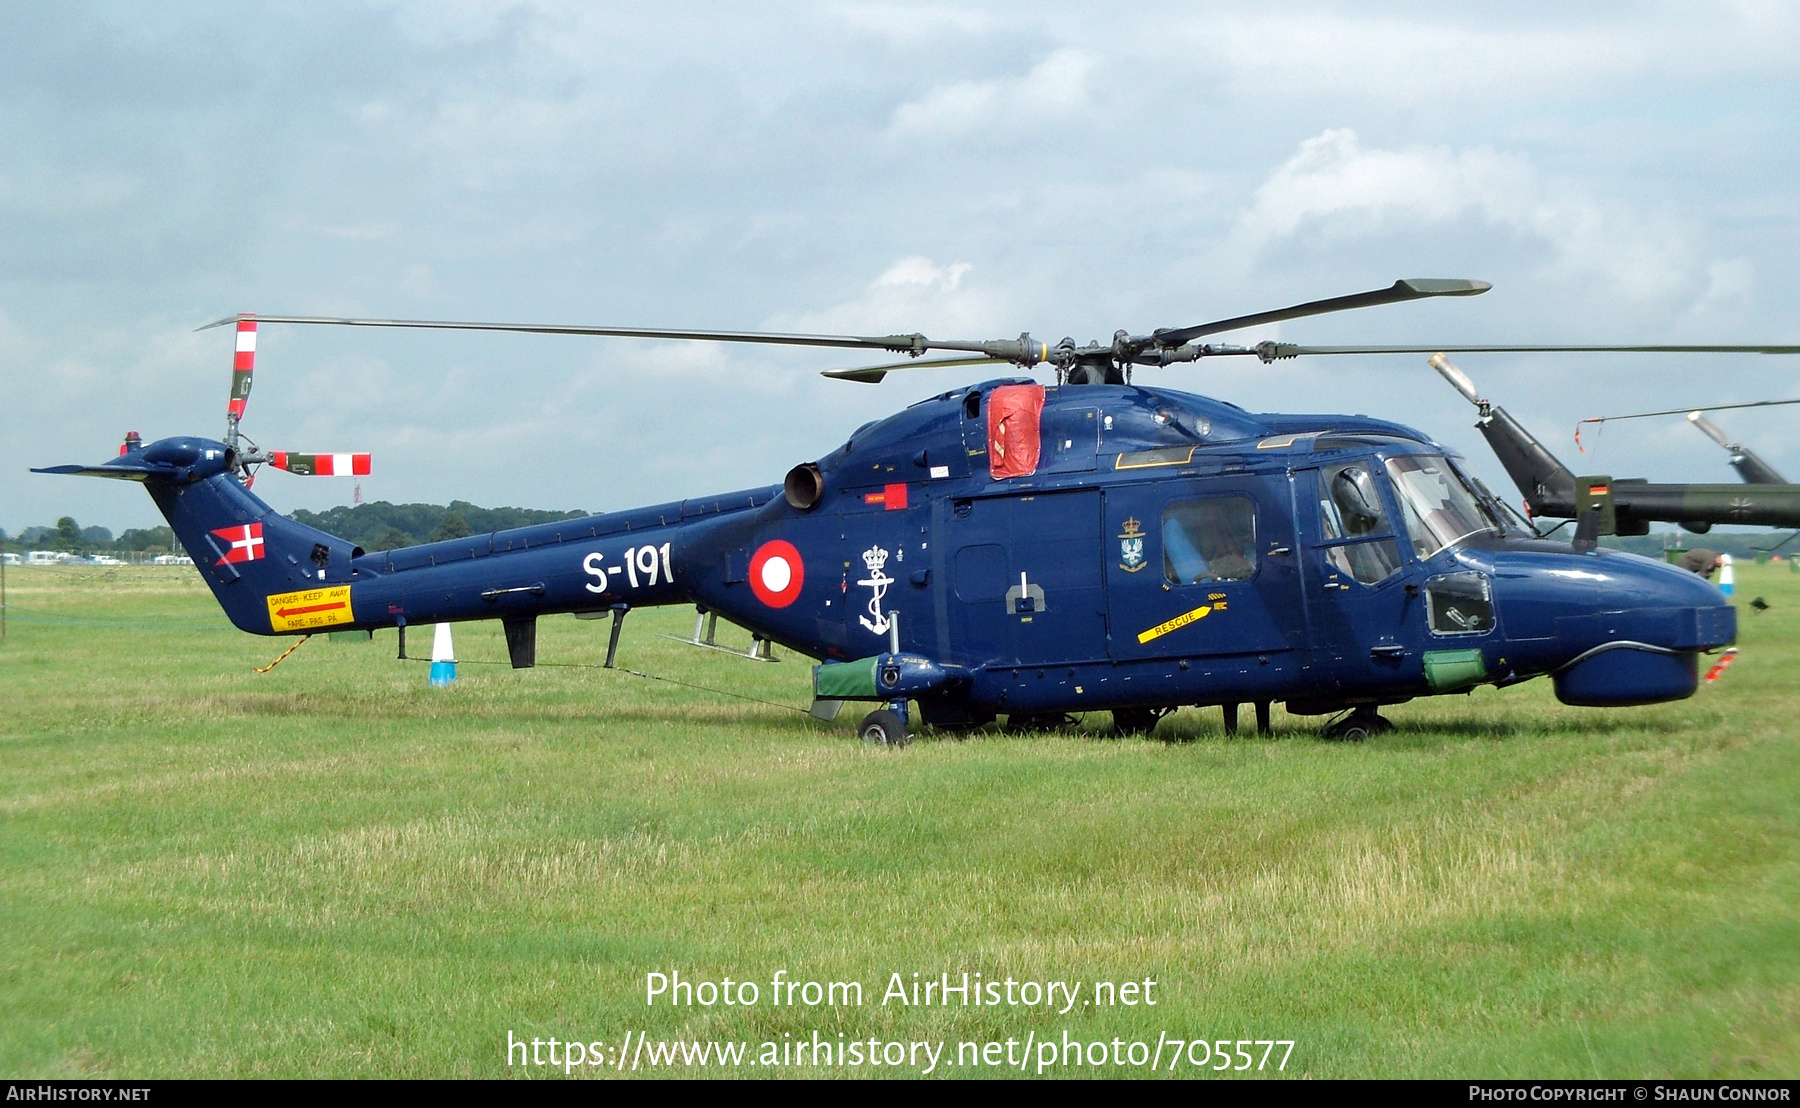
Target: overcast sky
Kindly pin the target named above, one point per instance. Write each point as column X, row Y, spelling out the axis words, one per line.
column 1619, row 172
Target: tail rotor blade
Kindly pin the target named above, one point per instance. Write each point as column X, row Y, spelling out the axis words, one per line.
column 1709, row 429
column 320, row 465
column 243, row 365
column 1458, row 379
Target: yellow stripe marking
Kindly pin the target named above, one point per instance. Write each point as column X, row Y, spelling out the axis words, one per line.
column 1175, row 624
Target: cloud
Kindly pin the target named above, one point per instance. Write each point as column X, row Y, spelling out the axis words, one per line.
column 442, row 23
column 962, row 169
column 1444, row 61
column 906, row 25
column 1058, row 86
column 64, row 193
column 1333, row 187
column 921, row 273
column 360, row 232
column 914, row 293
column 1730, row 286
column 418, row 281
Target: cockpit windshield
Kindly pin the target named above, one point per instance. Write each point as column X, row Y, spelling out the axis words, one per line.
column 1440, row 507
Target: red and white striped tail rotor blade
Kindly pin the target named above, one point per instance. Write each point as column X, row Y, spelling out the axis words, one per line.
column 243, row 365
column 320, row 465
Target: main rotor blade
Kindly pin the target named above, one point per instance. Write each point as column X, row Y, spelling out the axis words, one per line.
column 872, row 375
column 1689, row 411
column 1417, row 288
column 899, row 344
column 1290, row 350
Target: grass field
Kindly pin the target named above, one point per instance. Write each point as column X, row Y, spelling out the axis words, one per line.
column 332, row 869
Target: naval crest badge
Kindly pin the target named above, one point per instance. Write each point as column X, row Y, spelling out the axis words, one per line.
column 1131, row 546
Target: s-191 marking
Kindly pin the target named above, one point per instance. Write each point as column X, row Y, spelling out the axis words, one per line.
column 654, row 562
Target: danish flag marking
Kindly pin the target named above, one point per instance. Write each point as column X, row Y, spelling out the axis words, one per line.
column 246, row 543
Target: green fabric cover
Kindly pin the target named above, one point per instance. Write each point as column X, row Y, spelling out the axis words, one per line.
column 1452, row 669
column 846, row 680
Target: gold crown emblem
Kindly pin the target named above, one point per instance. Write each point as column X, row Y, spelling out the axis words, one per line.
column 1133, row 529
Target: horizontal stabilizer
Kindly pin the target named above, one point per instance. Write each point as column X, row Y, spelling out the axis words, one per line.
column 118, row 471
column 181, row 460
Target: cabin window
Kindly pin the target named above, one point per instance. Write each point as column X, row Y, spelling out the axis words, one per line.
column 1439, row 507
column 1459, row 604
column 1353, row 520
column 1209, row 540
column 1161, row 456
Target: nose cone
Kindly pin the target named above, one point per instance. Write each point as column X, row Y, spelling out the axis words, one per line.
column 1633, row 581
column 1614, row 628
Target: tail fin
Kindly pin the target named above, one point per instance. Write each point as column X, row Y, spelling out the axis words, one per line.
column 1547, row 484
column 270, row 574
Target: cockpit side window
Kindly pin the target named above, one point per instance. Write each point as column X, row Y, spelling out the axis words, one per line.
column 1459, row 604
column 1209, row 540
column 1355, row 525
column 1355, row 502
column 1439, row 507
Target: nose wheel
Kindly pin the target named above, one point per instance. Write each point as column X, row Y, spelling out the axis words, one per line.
column 1364, row 721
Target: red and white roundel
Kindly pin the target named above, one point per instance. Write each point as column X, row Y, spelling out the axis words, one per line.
column 776, row 573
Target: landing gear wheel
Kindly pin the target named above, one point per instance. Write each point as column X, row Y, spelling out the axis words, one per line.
column 1360, row 724
column 883, row 728
column 1136, row 721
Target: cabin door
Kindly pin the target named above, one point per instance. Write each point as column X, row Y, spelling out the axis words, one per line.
column 1200, row 567
column 1362, row 591
column 1024, row 589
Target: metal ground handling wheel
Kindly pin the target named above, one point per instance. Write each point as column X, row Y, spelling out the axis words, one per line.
column 1137, row 721
column 1362, row 723
column 883, row 728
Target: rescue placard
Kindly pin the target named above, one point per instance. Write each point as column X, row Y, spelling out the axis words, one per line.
column 311, row 609
column 1175, row 624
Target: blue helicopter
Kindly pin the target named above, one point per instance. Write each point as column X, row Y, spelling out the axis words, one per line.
column 1022, row 549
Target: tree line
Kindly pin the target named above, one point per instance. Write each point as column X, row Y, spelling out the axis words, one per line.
column 378, row 525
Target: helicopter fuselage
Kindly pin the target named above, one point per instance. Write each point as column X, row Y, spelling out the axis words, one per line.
column 1116, row 547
